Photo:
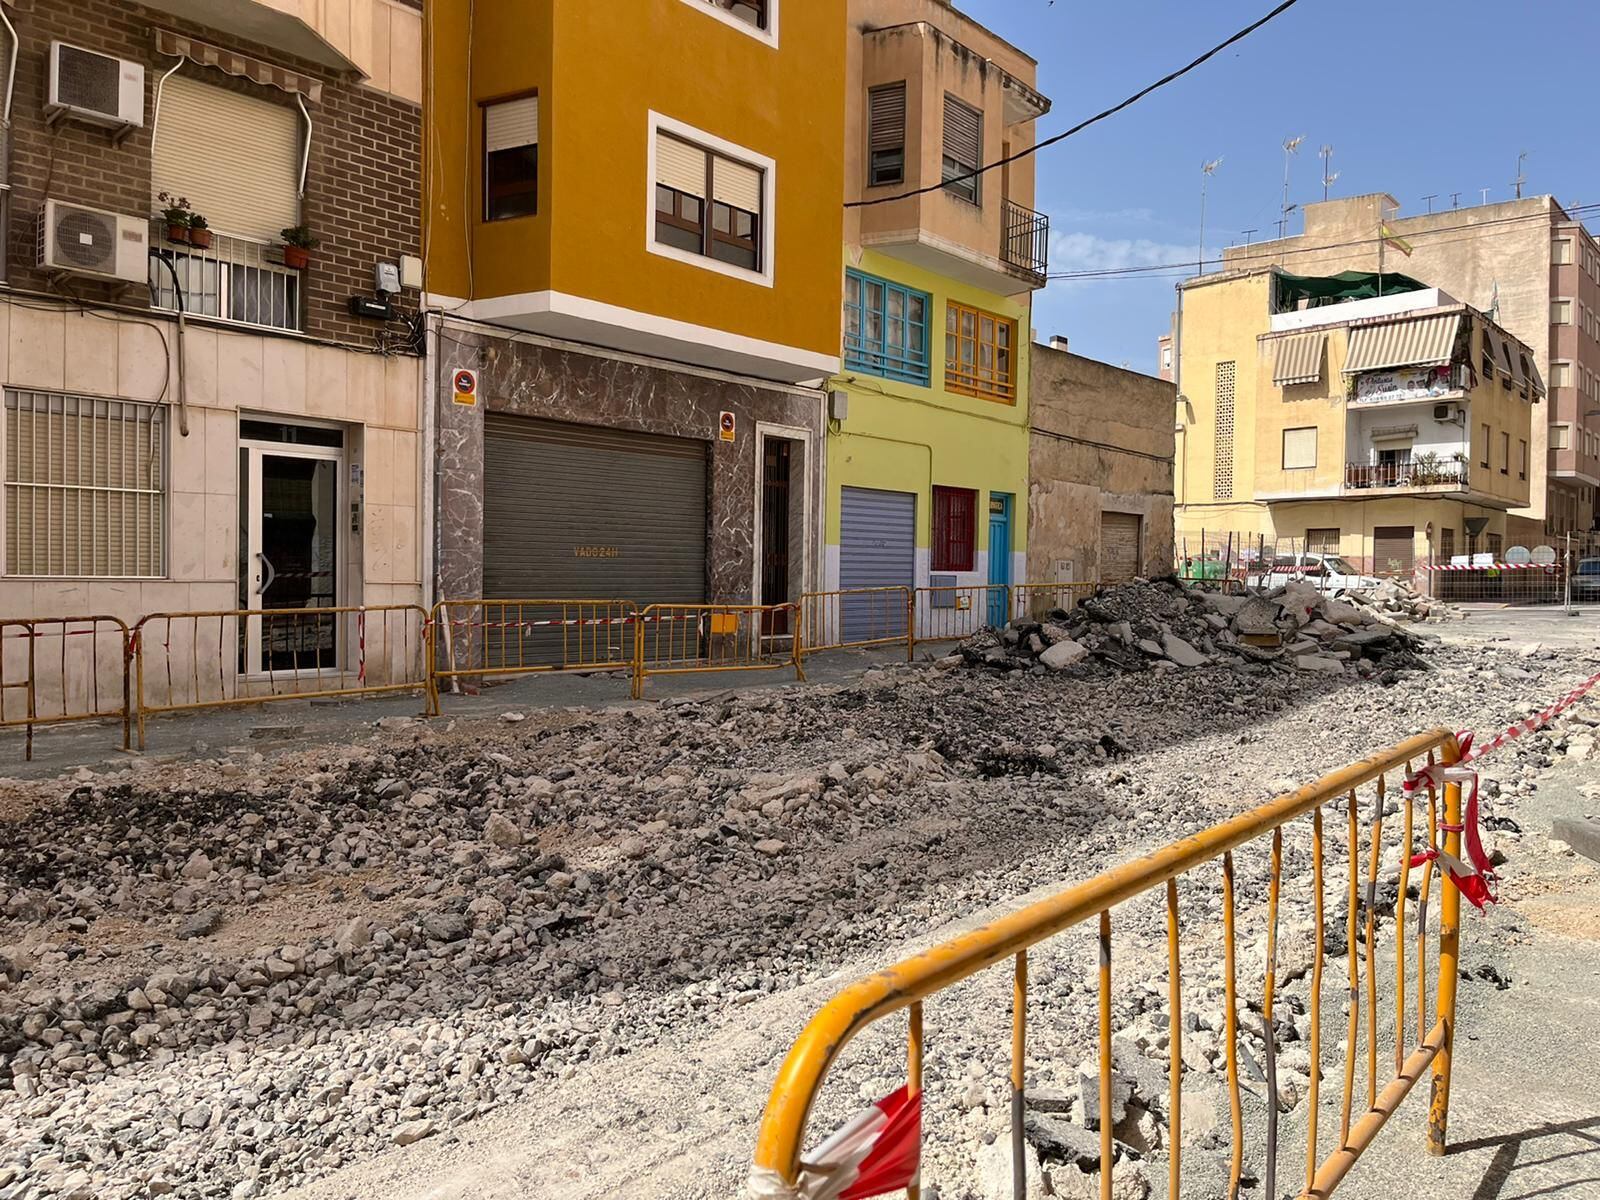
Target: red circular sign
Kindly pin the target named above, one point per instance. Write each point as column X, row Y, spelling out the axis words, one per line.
column 727, row 422
column 466, row 382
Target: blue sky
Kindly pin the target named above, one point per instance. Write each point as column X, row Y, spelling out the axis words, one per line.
column 1415, row 96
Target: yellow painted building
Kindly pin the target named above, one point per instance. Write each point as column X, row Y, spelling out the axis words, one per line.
column 1318, row 414
column 927, row 477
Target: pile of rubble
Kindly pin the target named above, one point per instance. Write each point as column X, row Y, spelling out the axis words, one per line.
column 1400, row 600
column 1166, row 626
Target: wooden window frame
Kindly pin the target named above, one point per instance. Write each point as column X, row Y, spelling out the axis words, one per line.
column 986, row 383
column 483, row 134
column 879, row 356
column 954, row 542
column 760, row 244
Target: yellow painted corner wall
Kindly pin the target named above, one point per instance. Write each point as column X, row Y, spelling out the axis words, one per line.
column 905, row 437
column 677, row 59
column 1320, row 406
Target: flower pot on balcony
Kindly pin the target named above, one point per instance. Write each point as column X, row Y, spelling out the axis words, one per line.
column 178, row 233
column 296, row 258
column 199, row 237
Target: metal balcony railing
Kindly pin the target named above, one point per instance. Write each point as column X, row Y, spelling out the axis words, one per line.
column 1405, row 475
column 1025, row 239
column 232, row 279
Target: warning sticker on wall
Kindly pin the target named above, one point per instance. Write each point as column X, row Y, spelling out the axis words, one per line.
column 725, row 427
column 465, row 383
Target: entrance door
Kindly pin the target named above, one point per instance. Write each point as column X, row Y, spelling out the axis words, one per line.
column 290, row 542
column 999, row 558
column 1119, row 547
column 777, row 458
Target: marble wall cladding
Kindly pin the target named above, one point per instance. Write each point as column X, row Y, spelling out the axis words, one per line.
column 593, row 388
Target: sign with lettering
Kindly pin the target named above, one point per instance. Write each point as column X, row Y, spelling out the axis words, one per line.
column 1407, row 384
column 725, row 426
column 596, row 552
column 465, row 383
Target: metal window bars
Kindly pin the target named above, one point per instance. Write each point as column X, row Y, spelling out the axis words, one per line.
column 235, row 278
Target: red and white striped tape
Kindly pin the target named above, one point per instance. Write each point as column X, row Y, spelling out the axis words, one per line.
column 1534, row 723
column 1550, row 568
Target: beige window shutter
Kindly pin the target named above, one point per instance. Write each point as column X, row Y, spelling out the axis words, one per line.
column 511, row 124
column 234, row 157
column 736, row 184
column 886, row 117
column 680, row 165
column 963, row 133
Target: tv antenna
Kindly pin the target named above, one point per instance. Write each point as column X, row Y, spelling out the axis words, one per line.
column 1429, row 199
column 1485, row 193
column 1291, row 147
column 1521, row 178
column 1207, row 170
column 1455, row 199
column 1328, row 177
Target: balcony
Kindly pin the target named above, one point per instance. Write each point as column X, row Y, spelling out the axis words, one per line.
column 1406, row 476
column 1025, row 240
column 233, row 279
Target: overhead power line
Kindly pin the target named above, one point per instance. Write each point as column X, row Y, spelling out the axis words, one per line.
column 1246, row 260
column 1082, row 125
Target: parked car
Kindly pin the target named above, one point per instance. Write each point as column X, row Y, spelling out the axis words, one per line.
column 1329, row 572
column 1586, row 580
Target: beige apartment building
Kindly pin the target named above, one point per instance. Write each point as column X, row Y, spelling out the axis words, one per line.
column 1394, row 430
column 1536, row 270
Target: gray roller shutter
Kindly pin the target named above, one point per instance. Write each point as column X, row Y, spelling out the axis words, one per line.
column 877, row 548
column 582, row 512
column 1119, row 547
column 1394, row 549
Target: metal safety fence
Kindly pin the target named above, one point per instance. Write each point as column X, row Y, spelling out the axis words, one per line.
column 1031, row 601
column 856, row 618
column 56, row 670
column 690, row 639
column 1369, row 1090
column 948, row 614
column 222, row 658
column 471, row 641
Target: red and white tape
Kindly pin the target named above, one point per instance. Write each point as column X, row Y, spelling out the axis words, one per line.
column 1534, row 723
column 1550, row 568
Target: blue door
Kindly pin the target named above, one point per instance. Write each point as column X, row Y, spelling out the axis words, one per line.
column 999, row 557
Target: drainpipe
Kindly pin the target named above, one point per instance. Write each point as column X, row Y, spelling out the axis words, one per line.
column 5, row 143
column 183, row 388
column 430, row 396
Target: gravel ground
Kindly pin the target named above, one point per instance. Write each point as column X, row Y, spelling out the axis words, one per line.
column 514, row 942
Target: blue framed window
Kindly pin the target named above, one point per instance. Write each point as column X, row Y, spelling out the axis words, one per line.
column 885, row 328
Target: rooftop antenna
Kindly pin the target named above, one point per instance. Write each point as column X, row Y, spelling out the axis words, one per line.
column 1207, row 170
column 1328, row 177
column 1429, row 199
column 1291, row 147
column 1455, row 199
column 1247, row 234
column 1521, row 178
column 1485, row 199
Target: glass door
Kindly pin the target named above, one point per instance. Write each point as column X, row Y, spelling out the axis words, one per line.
column 290, row 543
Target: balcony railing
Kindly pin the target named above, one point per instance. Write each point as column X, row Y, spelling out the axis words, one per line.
column 1406, row 475
column 232, row 279
column 1025, row 240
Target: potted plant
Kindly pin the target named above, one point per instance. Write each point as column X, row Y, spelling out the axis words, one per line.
column 199, row 232
column 177, row 216
column 297, row 247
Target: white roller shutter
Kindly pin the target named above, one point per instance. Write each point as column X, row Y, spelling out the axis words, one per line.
column 511, row 124
column 680, row 165
column 235, row 158
column 736, row 184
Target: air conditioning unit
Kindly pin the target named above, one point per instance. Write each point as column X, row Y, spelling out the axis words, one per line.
column 96, row 88
column 1447, row 412
column 90, row 241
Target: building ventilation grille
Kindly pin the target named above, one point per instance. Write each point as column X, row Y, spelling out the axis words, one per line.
column 1222, row 468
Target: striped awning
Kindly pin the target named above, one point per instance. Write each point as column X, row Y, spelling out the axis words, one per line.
column 204, row 54
column 1299, row 359
column 1419, row 342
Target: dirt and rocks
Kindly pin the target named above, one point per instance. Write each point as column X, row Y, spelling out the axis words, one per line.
column 228, row 977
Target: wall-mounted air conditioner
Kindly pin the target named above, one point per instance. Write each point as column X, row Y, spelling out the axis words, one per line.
column 93, row 87
column 1447, row 412
column 90, row 241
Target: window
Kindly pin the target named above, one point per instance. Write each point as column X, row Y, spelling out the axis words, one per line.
column 758, row 18
column 1561, row 251
column 1505, row 454
column 1560, row 437
column 1560, row 374
column 84, row 484
column 980, row 353
column 886, row 134
column 1522, row 458
column 885, row 328
column 511, row 159
column 955, row 528
column 1496, row 542
column 1300, row 448
column 751, row 12
column 1447, row 544
column 1484, row 461
column 1561, row 312
column 1322, row 541
column 709, row 204
column 963, row 149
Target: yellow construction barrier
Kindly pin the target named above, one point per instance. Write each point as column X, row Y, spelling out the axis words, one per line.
column 780, row 1168
column 688, row 639
column 225, row 657
column 57, row 664
column 948, row 614
column 855, row 617
column 481, row 638
column 1031, row 601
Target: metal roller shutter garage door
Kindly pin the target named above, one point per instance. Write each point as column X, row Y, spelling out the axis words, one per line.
column 1119, row 547
column 577, row 511
column 1393, row 549
column 877, row 548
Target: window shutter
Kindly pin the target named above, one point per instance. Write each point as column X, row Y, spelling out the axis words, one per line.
column 736, row 184
column 511, row 124
column 963, row 136
column 886, row 117
column 680, row 165
column 234, row 157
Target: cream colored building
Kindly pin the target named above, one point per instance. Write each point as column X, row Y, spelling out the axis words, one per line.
column 1394, row 430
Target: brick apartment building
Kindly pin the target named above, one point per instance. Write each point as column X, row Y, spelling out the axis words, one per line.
column 263, row 451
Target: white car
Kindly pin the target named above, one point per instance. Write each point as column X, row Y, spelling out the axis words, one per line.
column 1329, row 572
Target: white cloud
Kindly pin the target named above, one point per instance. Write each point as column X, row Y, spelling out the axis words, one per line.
column 1090, row 252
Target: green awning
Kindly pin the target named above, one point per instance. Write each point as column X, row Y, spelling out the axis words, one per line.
column 1318, row 290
